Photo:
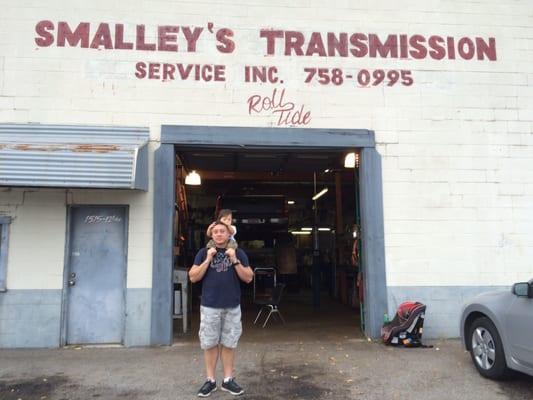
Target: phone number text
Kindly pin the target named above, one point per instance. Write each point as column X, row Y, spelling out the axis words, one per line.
column 362, row 77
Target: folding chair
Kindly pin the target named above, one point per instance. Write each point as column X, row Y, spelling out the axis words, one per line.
column 264, row 283
column 271, row 304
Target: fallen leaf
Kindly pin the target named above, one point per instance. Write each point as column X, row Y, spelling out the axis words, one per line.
column 294, row 377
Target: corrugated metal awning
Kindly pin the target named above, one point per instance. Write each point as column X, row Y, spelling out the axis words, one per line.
column 73, row 156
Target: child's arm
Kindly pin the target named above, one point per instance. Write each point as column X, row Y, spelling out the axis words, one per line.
column 232, row 230
column 209, row 229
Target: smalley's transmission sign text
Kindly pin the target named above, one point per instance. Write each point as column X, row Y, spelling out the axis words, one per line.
column 270, row 42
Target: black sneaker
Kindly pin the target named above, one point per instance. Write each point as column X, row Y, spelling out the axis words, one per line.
column 207, row 388
column 232, row 387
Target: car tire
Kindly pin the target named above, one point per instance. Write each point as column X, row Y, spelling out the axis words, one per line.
column 486, row 349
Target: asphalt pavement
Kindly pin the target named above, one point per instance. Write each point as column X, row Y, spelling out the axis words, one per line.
column 339, row 368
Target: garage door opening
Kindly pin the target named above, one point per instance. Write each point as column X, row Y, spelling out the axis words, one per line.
column 298, row 219
column 167, row 251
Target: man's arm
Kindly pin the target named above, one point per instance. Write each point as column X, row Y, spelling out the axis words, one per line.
column 246, row 274
column 197, row 272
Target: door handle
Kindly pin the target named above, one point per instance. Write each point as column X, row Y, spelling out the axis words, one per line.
column 71, row 282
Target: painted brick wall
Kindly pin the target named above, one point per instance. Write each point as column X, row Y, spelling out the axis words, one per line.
column 457, row 145
column 37, row 233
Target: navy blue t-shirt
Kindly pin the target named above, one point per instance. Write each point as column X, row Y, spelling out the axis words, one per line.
column 221, row 286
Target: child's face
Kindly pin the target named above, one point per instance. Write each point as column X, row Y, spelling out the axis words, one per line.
column 227, row 219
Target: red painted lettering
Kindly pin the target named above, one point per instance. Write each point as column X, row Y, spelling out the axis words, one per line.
column 153, row 70
column 191, row 37
column 253, row 102
column 226, row 45
column 294, row 41
column 390, row 47
column 486, row 49
column 283, row 110
column 316, row 45
column 184, row 72
column 80, row 35
column 270, row 36
column 465, row 48
column 102, row 37
column 403, row 46
column 419, row 50
column 141, row 44
column 220, row 71
column 167, row 37
column 339, row 45
column 359, row 49
column 168, row 71
column 119, row 39
column 140, row 68
column 437, row 52
column 451, row 47
column 207, row 73
column 45, row 38
column 272, row 71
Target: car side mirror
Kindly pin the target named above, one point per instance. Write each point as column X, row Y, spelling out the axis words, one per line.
column 523, row 289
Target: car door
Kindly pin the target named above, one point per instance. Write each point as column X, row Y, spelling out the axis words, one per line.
column 519, row 327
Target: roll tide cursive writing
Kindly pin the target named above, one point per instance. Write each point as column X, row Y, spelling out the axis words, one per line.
column 287, row 112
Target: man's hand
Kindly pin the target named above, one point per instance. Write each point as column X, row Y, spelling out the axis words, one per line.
column 231, row 254
column 197, row 272
column 211, row 253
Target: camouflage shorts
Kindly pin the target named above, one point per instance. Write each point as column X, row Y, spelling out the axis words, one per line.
column 220, row 326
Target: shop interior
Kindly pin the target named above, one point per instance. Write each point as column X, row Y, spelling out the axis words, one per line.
column 297, row 218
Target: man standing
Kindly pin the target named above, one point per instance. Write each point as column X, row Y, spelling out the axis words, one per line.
column 220, row 309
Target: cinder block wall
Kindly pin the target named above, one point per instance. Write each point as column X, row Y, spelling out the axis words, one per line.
column 456, row 145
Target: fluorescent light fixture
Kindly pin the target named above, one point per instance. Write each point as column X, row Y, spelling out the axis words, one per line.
column 324, row 229
column 349, row 160
column 327, row 170
column 290, row 202
column 320, row 194
column 300, row 233
column 193, row 178
column 307, row 229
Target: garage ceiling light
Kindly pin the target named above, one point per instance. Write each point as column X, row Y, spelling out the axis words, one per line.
column 307, row 229
column 320, row 194
column 290, row 202
column 193, row 179
column 301, row 232
column 349, row 160
column 324, row 229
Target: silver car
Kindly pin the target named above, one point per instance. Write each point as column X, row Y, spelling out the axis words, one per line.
column 497, row 329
